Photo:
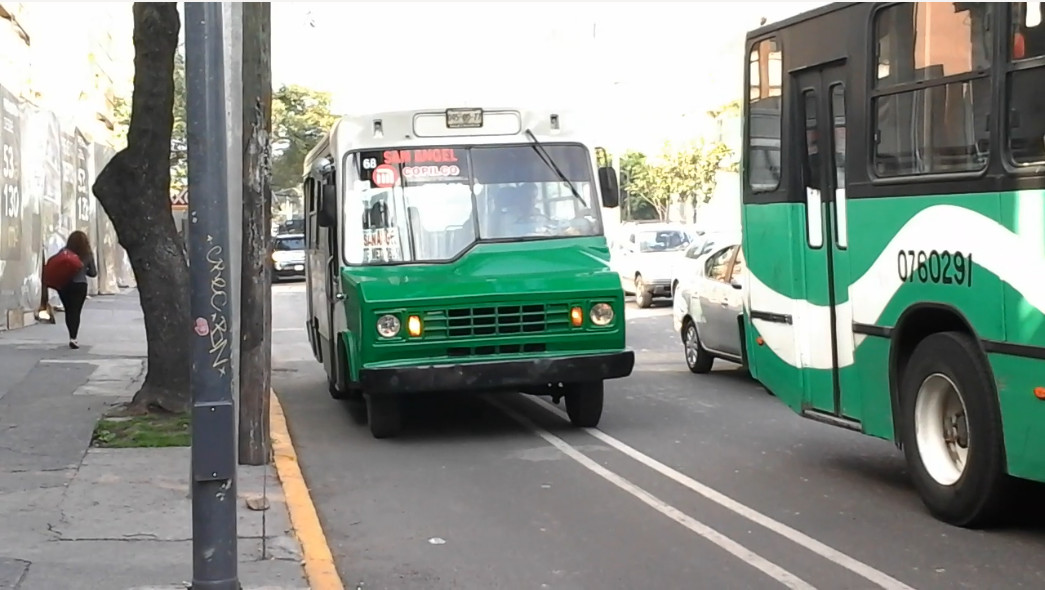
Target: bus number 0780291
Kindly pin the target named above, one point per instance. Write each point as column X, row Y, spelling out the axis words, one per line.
column 947, row 268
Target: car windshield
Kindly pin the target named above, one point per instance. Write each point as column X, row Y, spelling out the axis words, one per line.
column 423, row 205
column 662, row 240
column 287, row 244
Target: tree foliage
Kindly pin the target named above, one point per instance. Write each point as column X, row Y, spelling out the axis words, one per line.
column 300, row 117
column 684, row 173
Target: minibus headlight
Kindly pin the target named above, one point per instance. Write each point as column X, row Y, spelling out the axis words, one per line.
column 601, row 314
column 387, row 326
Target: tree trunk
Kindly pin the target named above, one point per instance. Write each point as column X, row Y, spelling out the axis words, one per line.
column 134, row 190
column 255, row 370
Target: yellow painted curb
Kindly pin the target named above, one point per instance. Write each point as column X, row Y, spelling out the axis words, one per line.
column 316, row 556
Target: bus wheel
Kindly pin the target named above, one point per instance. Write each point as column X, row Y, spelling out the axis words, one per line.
column 335, row 391
column 643, row 297
column 584, row 403
column 698, row 359
column 951, row 431
column 384, row 416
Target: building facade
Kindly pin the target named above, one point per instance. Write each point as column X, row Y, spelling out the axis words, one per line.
column 61, row 69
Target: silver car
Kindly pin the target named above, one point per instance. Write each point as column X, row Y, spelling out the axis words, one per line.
column 687, row 268
column 707, row 311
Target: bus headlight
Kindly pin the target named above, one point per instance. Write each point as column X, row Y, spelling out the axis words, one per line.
column 387, row 326
column 601, row 314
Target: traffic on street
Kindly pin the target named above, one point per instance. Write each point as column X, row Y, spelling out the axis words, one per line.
column 689, row 481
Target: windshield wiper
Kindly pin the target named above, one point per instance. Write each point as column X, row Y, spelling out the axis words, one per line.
column 547, row 159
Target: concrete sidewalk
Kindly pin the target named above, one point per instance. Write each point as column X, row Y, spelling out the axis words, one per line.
column 79, row 518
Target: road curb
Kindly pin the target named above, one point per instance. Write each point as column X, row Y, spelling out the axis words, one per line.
column 316, row 556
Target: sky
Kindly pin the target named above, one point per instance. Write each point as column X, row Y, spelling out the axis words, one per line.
column 645, row 70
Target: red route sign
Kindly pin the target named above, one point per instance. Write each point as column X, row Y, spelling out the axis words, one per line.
column 384, row 176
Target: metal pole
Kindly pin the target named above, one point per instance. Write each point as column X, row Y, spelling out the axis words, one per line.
column 214, row 542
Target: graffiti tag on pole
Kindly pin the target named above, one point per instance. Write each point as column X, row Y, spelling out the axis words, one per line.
column 219, row 299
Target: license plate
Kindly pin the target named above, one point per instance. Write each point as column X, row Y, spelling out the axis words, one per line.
column 299, row 267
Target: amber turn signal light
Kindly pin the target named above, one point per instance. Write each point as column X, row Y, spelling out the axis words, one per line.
column 577, row 317
column 413, row 326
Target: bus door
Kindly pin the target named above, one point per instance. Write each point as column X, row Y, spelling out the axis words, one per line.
column 323, row 261
column 827, row 336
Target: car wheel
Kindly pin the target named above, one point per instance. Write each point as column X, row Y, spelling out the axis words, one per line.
column 643, row 297
column 698, row 359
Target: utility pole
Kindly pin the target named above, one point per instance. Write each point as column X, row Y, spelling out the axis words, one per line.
column 255, row 370
column 214, row 534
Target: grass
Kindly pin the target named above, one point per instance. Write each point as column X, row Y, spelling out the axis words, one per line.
column 151, row 431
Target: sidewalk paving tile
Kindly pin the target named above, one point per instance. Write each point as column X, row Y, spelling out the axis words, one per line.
column 78, row 518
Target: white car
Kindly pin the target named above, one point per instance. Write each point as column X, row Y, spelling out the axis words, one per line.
column 645, row 255
column 707, row 311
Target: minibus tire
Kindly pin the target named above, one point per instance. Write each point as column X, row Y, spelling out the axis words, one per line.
column 384, row 416
column 948, row 394
column 584, row 403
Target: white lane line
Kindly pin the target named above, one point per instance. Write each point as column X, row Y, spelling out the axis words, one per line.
column 762, row 564
column 859, row 568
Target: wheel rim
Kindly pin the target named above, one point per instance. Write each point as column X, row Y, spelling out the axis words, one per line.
column 941, row 428
column 691, row 345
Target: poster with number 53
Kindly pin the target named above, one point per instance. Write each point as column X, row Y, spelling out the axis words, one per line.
column 10, row 177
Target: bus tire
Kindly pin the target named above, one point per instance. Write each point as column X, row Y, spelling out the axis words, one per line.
column 584, row 403
column 384, row 416
column 951, row 431
column 337, row 390
column 643, row 296
column 698, row 359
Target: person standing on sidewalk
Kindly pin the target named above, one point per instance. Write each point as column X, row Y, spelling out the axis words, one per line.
column 74, row 294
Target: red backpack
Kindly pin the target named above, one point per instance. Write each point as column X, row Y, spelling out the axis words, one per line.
column 61, row 268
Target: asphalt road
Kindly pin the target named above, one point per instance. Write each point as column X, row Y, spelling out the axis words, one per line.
column 690, row 482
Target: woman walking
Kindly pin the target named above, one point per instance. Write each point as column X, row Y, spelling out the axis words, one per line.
column 74, row 294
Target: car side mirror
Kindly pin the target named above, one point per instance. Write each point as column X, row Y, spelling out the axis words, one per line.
column 609, row 187
column 326, row 215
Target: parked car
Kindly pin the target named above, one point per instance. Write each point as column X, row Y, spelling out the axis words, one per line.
column 687, row 269
column 644, row 254
column 707, row 311
column 288, row 257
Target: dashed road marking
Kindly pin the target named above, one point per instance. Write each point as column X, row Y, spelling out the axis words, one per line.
column 831, row 554
column 760, row 563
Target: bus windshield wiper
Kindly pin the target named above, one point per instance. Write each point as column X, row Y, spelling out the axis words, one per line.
column 547, row 159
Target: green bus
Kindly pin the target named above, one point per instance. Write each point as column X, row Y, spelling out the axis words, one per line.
column 893, row 209
column 462, row 250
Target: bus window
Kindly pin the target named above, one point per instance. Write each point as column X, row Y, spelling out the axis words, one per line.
column 1026, row 125
column 431, row 204
column 811, row 163
column 941, row 126
column 764, row 117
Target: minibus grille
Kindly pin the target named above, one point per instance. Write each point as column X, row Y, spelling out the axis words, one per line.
column 503, row 319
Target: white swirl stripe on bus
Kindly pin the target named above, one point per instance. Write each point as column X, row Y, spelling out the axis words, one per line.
column 993, row 247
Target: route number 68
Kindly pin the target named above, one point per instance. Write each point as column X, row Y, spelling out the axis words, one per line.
column 369, row 163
